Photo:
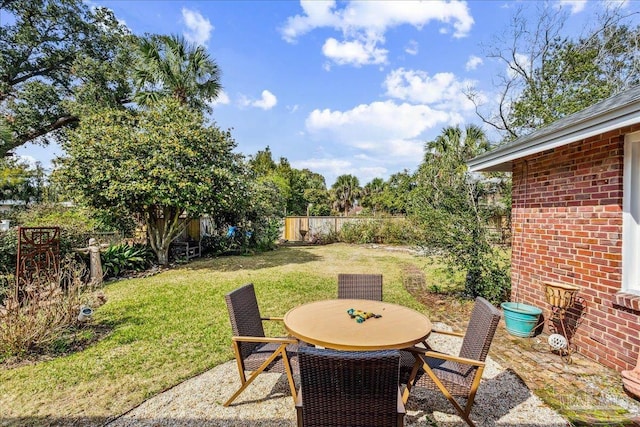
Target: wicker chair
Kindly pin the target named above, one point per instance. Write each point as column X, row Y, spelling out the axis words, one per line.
column 360, row 286
column 343, row 388
column 255, row 352
column 457, row 375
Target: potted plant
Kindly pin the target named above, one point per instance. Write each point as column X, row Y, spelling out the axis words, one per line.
column 520, row 319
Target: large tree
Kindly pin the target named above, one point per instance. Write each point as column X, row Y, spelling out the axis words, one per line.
column 171, row 66
column 344, row 192
column 303, row 191
column 163, row 164
column 451, row 205
column 373, row 195
column 20, row 181
column 57, row 55
column 550, row 75
column 397, row 192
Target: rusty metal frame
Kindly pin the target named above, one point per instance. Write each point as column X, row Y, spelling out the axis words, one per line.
column 38, row 253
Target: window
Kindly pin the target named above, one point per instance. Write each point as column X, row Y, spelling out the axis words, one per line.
column 631, row 215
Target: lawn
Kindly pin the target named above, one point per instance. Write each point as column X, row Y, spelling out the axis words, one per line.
column 172, row 326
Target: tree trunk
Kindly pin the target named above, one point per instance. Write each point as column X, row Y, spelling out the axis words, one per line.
column 163, row 255
column 163, row 226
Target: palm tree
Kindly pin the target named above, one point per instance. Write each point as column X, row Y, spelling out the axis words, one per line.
column 372, row 194
column 452, row 141
column 171, row 66
column 345, row 191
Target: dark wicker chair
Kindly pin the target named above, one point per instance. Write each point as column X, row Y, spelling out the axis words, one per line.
column 255, row 352
column 457, row 375
column 360, row 286
column 343, row 388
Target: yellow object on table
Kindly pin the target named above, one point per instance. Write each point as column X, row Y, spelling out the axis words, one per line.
column 361, row 316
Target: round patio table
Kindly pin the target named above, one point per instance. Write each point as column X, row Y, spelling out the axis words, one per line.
column 327, row 324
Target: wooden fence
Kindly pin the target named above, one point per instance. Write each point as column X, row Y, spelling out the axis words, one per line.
column 300, row 228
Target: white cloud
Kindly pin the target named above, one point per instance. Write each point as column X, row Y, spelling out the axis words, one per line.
column 316, row 14
column 576, row 6
column 364, row 23
column 354, row 52
column 412, row 47
column 333, row 166
column 442, row 90
column 378, row 16
column 293, row 108
column 368, row 173
column 29, row 160
column 199, row 28
column 267, row 102
column 222, row 99
column 380, row 128
column 473, row 62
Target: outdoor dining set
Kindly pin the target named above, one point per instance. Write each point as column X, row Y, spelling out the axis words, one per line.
column 358, row 358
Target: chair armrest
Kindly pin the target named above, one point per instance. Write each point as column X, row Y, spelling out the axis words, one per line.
column 443, row 356
column 265, row 340
column 272, row 318
column 400, row 405
column 299, row 408
column 299, row 399
column 452, row 333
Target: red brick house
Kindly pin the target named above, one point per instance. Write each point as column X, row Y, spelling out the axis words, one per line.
column 576, row 220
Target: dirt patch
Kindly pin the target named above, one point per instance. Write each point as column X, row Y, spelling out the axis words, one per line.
column 441, row 307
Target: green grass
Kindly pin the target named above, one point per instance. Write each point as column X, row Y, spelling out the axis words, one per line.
column 172, row 326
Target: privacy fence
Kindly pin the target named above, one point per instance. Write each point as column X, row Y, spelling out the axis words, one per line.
column 301, row 228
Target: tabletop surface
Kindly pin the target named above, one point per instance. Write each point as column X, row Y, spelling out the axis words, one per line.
column 326, row 323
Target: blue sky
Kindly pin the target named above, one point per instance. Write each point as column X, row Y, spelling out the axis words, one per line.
column 341, row 87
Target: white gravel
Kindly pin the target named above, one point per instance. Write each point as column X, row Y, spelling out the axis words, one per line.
column 502, row 400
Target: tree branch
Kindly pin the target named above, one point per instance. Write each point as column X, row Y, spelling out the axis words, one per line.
column 59, row 123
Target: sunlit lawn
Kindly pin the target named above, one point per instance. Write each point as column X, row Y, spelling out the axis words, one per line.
column 174, row 325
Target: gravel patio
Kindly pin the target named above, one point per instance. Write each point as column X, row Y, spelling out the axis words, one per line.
column 503, row 400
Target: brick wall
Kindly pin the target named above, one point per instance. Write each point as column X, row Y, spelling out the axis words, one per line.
column 567, row 228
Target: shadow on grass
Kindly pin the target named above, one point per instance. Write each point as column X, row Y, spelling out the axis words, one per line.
column 277, row 258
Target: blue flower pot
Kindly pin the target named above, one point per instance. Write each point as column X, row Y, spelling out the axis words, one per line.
column 520, row 319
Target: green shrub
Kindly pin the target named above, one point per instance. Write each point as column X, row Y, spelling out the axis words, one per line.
column 75, row 223
column 398, row 232
column 121, row 258
column 354, row 232
column 5, row 283
column 267, row 237
column 494, row 283
column 213, row 243
column 8, row 250
column 385, row 230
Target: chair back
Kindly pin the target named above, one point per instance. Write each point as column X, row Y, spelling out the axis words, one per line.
column 360, row 286
column 244, row 315
column 342, row 388
column 480, row 331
